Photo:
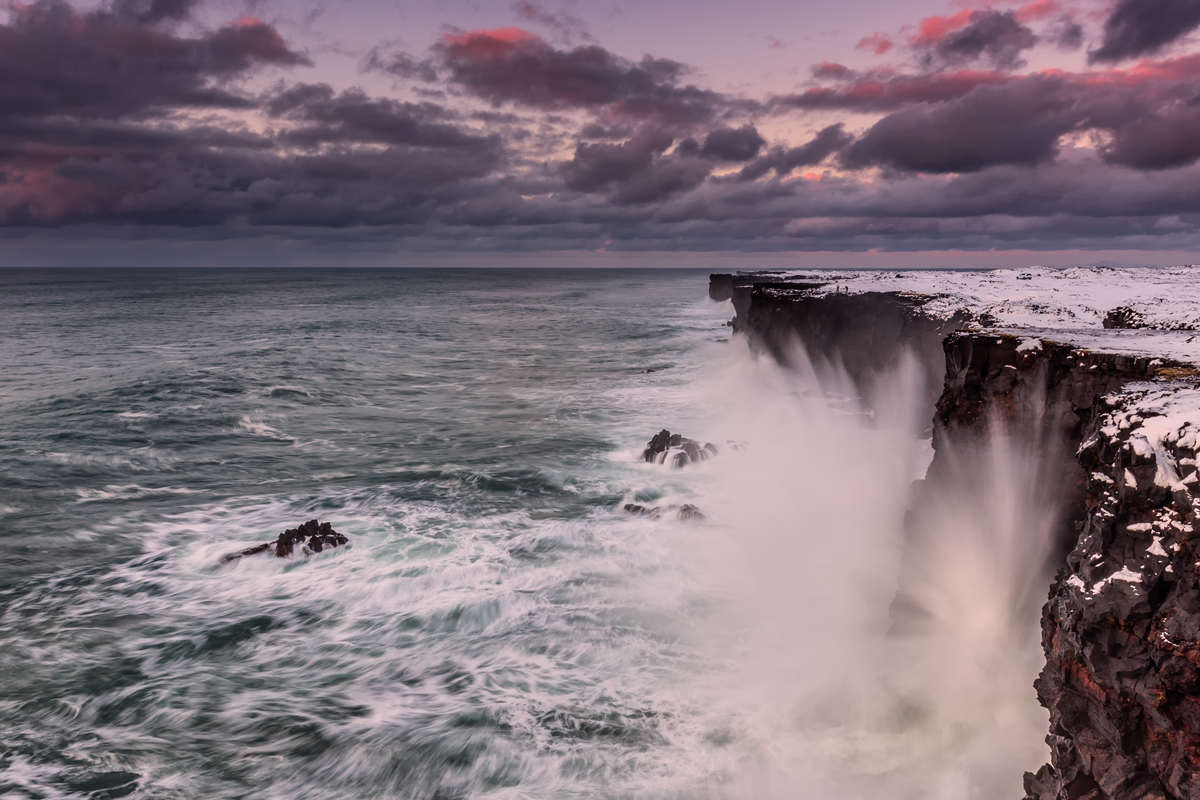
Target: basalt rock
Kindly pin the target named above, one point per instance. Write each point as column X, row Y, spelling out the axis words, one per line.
column 720, row 286
column 675, row 450
column 1124, row 317
column 686, row 512
column 1121, row 630
column 1134, row 317
column 866, row 333
column 311, row 537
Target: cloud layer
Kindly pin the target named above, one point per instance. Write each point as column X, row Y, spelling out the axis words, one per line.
column 135, row 114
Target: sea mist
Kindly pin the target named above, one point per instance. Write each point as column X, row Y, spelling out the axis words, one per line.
column 861, row 660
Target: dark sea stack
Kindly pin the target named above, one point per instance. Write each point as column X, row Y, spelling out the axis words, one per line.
column 311, row 537
column 720, row 286
column 676, row 450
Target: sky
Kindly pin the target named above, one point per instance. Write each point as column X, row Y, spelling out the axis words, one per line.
column 761, row 133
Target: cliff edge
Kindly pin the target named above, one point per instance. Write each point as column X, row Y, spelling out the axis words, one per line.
column 1116, row 413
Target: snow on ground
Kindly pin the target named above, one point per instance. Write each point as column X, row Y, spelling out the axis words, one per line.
column 1043, row 297
column 1062, row 305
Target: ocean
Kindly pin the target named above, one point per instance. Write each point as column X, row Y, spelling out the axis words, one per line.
column 498, row 625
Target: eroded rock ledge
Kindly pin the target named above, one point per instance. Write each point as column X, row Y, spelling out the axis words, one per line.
column 1121, row 630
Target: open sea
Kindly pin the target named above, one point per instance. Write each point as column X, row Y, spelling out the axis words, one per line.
column 498, row 626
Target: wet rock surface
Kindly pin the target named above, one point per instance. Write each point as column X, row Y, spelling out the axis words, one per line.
column 866, row 333
column 686, row 512
column 676, row 450
column 1121, row 630
column 311, row 537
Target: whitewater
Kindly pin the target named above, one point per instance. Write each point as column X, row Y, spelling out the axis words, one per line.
column 498, row 626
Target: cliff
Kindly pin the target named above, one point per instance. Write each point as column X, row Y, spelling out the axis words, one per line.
column 1121, row 630
column 865, row 332
column 1116, row 430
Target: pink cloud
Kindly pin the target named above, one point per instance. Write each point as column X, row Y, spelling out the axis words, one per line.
column 877, row 43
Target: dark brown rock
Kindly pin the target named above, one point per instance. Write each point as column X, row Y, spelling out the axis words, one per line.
column 686, row 512
column 676, row 450
column 1124, row 317
column 1121, row 630
column 311, row 537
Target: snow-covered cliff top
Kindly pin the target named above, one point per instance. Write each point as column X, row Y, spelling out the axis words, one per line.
column 1065, row 305
column 1041, row 297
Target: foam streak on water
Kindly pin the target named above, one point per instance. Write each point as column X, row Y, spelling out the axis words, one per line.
column 497, row 627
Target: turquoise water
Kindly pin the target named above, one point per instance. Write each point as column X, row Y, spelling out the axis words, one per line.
column 487, row 631
column 497, row 626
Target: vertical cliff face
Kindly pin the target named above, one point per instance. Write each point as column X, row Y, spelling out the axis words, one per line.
column 866, row 333
column 1121, row 630
column 1039, row 390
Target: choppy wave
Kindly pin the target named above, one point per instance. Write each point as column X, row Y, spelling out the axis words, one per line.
column 498, row 626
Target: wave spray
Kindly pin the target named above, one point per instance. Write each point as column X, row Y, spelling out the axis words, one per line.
column 878, row 637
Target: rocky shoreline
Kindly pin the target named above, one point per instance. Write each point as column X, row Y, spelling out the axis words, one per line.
column 1121, row 629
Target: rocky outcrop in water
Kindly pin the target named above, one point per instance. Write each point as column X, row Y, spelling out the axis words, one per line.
column 676, row 450
column 686, row 512
column 311, row 537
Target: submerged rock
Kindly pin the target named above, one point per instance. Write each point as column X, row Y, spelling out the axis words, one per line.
column 686, row 512
column 676, row 450
column 311, row 537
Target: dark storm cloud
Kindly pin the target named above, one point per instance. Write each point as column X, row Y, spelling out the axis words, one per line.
column 154, row 11
column 784, row 160
column 829, row 70
column 1143, row 27
column 198, row 188
column 886, row 91
column 1068, row 35
column 566, row 27
column 995, row 37
column 512, row 65
column 94, row 127
column 353, row 116
column 636, row 172
column 401, row 65
column 1019, row 123
column 1147, row 118
column 114, row 63
column 1157, row 142
column 587, row 148
column 732, row 144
